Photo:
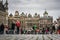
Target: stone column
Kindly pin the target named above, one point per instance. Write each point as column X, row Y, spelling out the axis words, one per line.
column 7, row 19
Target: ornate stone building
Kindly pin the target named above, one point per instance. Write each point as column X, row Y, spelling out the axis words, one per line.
column 46, row 20
column 3, row 12
column 58, row 20
column 27, row 21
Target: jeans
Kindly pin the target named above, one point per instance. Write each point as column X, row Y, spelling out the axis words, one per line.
column 17, row 30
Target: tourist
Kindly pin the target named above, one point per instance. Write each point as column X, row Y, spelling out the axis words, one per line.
column 56, row 26
column 53, row 28
column 46, row 31
column 6, row 29
column 13, row 27
column 2, row 28
column 34, row 29
column 18, row 26
column 37, row 31
column 21, row 30
column 58, row 29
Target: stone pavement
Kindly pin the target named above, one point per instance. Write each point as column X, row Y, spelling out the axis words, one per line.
column 29, row 37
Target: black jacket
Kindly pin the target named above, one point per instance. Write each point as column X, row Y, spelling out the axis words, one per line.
column 13, row 26
column 2, row 27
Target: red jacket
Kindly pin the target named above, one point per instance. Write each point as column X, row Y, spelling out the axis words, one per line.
column 18, row 24
column 59, row 31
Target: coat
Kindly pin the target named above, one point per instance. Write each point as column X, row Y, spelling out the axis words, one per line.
column 13, row 26
column 18, row 24
column 2, row 27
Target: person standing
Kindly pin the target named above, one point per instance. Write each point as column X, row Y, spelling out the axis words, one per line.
column 53, row 28
column 56, row 26
column 2, row 28
column 58, row 29
column 43, row 29
column 18, row 26
column 34, row 28
column 37, row 31
column 13, row 27
column 6, row 29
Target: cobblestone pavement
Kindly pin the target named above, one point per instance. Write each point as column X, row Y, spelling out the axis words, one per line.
column 29, row 37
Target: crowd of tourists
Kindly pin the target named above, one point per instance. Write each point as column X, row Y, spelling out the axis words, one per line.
column 17, row 29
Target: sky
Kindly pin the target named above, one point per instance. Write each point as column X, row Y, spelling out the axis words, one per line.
column 35, row 6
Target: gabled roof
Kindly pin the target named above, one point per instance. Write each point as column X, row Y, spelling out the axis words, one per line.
column 45, row 12
column 29, row 15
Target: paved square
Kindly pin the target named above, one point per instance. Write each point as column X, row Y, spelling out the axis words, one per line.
column 29, row 37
